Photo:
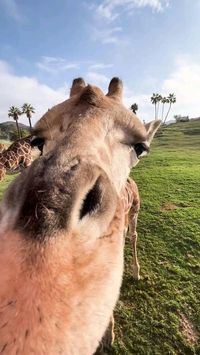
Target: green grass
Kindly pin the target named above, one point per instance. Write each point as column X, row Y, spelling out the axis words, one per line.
column 5, row 141
column 150, row 311
column 4, row 184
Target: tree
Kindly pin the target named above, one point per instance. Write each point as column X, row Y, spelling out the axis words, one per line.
column 15, row 112
column 13, row 135
column 159, row 99
column 154, row 101
column 27, row 109
column 164, row 101
column 171, row 100
column 134, row 108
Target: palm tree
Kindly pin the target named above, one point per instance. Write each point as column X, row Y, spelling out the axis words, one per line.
column 134, row 108
column 171, row 99
column 27, row 109
column 159, row 98
column 15, row 112
column 154, row 101
column 164, row 101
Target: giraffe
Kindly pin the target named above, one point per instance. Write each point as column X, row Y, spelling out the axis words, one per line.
column 62, row 222
column 3, row 147
column 131, row 202
column 130, row 196
column 17, row 156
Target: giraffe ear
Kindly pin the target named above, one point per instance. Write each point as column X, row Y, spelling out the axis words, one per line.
column 151, row 129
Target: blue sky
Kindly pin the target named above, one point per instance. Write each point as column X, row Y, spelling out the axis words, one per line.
column 153, row 45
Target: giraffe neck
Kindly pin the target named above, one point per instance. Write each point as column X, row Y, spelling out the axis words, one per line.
column 19, row 153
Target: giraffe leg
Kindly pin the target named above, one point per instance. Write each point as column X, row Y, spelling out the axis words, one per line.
column 107, row 341
column 2, row 173
column 133, row 236
column 126, row 225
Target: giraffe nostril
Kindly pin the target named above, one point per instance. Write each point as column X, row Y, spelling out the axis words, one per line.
column 92, row 200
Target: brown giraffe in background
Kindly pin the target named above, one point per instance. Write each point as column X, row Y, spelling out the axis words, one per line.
column 3, row 147
column 18, row 155
column 131, row 202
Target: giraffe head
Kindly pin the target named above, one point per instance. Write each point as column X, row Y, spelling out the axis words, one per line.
column 62, row 222
column 99, row 126
column 90, row 143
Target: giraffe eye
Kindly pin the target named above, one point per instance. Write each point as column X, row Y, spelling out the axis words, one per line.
column 38, row 142
column 141, row 149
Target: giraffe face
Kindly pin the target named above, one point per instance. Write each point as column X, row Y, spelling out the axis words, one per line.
column 98, row 127
column 91, row 141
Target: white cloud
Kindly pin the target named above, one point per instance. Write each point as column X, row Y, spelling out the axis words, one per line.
column 106, row 36
column 97, row 79
column 56, row 64
column 106, row 11
column 111, row 9
column 15, row 90
column 184, row 82
column 12, row 9
column 145, row 112
column 98, row 66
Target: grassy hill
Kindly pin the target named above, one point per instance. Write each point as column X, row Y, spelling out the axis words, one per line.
column 160, row 314
column 8, row 130
column 11, row 124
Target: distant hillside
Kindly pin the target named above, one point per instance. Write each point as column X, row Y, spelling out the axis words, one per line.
column 8, row 130
column 195, row 119
column 179, row 135
column 11, row 124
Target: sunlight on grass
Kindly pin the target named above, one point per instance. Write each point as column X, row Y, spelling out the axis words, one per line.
column 149, row 313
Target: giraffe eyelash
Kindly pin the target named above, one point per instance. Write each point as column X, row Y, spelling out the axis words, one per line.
column 38, row 142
